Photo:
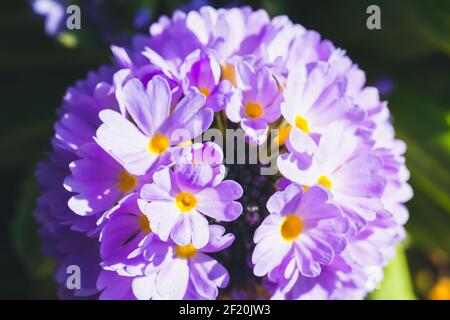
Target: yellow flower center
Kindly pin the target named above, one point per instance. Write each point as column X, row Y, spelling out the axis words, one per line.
column 158, row 144
column 144, row 224
column 228, row 73
column 323, row 180
column 305, row 188
column 253, row 110
column 291, row 227
column 283, row 134
column 127, row 182
column 205, row 91
column 186, row 252
column 302, row 124
column 185, row 201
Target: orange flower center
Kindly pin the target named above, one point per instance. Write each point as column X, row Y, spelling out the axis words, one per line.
column 253, row 110
column 229, row 73
column 291, row 227
column 185, row 201
column 186, row 252
column 158, row 144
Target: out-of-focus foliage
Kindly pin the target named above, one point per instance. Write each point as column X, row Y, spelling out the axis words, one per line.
column 26, row 243
column 412, row 50
column 396, row 284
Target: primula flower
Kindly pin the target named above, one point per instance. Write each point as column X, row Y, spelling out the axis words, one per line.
column 125, row 232
column 180, row 198
column 314, row 98
column 346, row 167
column 208, row 153
column 303, row 231
column 258, row 103
column 53, row 11
column 177, row 272
column 131, row 195
column 99, row 181
column 138, row 147
column 199, row 70
column 352, row 274
column 81, row 105
column 204, row 73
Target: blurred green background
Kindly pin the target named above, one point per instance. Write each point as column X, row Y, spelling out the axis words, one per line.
column 410, row 56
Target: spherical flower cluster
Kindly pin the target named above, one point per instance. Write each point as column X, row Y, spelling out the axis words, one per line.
column 142, row 208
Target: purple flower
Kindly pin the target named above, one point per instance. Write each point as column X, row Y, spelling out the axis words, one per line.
column 180, row 198
column 352, row 274
column 98, row 181
column 142, row 18
column 385, row 85
column 114, row 286
column 314, row 98
column 303, row 231
column 207, row 153
column 204, row 73
column 198, row 70
column 124, row 234
column 81, row 105
column 138, row 147
column 176, row 272
column 345, row 166
column 54, row 12
column 130, row 196
column 258, row 103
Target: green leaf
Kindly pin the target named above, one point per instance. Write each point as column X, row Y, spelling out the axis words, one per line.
column 396, row 284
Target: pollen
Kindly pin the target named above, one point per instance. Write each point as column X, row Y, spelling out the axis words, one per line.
column 323, row 180
column 228, row 73
column 302, row 124
column 253, row 110
column 205, row 91
column 144, row 224
column 127, row 182
column 186, row 252
column 185, row 201
column 158, row 144
column 291, row 227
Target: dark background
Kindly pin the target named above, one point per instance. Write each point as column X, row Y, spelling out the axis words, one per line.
column 410, row 54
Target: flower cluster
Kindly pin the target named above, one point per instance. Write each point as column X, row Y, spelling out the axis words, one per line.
column 141, row 207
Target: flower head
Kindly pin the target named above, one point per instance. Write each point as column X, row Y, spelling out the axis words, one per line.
column 98, row 180
column 303, row 231
column 176, row 272
column 180, row 199
column 156, row 124
column 132, row 196
column 314, row 98
column 346, row 167
column 258, row 103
